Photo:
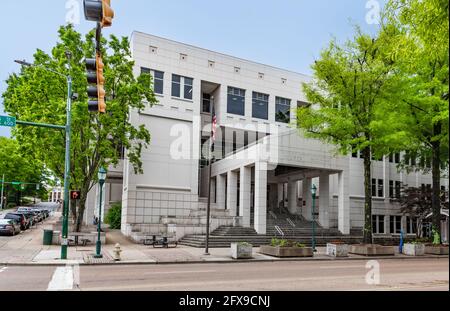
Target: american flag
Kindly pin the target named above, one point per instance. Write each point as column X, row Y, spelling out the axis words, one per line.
column 214, row 127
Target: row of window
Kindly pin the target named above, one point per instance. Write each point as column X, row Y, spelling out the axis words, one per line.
column 182, row 87
column 396, row 158
column 378, row 188
column 260, row 105
column 395, row 224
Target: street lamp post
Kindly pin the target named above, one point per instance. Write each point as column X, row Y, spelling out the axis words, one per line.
column 1, row 198
column 101, row 181
column 65, row 224
column 313, row 215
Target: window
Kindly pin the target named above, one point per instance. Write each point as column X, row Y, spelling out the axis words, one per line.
column 395, row 224
column 158, row 79
column 391, row 189
column 260, row 106
column 234, row 142
column 411, row 225
column 206, row 107
column 176, row 85
column 377, row 188
column 397, row 158
column 245, row 139
column 187, row 83
column 398, row 189
column 380, row 188
column 282, row 110
column 236, row 101
column 378, row 224
column 355, row 154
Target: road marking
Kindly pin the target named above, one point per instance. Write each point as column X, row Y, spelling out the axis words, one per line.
column 179, row 272
column 62, row 279
column 3, row 269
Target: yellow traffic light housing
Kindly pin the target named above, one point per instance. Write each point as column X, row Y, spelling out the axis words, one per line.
column 107, row 13
column 99, row 11
column 96, row 76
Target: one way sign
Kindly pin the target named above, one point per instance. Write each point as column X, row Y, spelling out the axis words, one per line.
column 75, row 195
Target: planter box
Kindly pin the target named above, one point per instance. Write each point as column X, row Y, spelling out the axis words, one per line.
column 239, row 251
column 372, row 250
column 337, row 250
column 436, row 250
column 414, row 249
column 283, row 252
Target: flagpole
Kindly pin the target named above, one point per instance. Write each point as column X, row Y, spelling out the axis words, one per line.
column 211, row 147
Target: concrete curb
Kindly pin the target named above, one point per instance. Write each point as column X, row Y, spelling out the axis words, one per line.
column 225, row 261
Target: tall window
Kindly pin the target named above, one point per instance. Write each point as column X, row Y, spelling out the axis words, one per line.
column 260, row 106
column 236, row 101
column 391, row 189
column 182, row 87
column 411, row 225
column 398, row 189
column 282, row 110
column 378, row 224
column 377, row 188
column 158, row 79
column 395, row 224
column 206, row 107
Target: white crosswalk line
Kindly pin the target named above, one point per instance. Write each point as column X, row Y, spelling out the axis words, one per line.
column 3, row 269
column 62, row 279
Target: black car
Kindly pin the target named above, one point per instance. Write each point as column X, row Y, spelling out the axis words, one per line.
column 20, row 218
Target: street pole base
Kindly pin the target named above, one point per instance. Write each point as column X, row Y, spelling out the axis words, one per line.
column 98, row 256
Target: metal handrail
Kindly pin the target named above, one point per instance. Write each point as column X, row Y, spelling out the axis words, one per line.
column 291, row 222
column 279, row 231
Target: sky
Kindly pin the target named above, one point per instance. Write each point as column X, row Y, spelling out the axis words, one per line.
column 283, row 33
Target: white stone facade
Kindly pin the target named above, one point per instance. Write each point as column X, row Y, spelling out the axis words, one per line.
column 260, row 162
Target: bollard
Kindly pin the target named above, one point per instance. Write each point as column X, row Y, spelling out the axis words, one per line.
column 116, row 252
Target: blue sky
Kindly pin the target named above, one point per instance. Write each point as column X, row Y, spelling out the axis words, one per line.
column 284, row 33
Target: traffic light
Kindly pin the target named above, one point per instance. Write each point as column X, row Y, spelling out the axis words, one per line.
column 94, row 67
column 99, row 11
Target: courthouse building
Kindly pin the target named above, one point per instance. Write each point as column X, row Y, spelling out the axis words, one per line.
column 262, row 166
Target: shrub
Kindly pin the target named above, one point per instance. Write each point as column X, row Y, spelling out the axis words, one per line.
column 11, row 205
column 114, row 216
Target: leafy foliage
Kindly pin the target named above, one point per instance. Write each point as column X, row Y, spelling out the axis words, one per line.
column 38, row 95
column 19, row 166
column 352, row 83
column 114, row 216
column 420, row 49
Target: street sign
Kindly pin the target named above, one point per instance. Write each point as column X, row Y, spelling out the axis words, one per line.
column 7, row 121
column 75, row 195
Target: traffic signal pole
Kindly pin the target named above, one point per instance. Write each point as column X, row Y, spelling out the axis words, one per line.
column 65, row 224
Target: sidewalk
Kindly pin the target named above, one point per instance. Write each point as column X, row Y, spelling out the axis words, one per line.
column 27, row 249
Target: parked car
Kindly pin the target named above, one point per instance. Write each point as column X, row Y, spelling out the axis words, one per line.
column 9, row 226
column 20, row 218
column 34, row 216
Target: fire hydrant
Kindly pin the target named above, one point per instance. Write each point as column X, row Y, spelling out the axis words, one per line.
column 116, row 252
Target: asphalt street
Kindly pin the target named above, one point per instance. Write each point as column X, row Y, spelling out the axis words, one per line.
column 407, row 274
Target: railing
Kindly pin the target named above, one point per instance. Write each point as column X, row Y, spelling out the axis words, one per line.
column 274, row 216
column 291, row 222
column 279, row 231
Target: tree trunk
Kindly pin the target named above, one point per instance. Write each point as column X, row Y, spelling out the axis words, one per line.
column 436, row 176
column 80, row 213
column 367, row 196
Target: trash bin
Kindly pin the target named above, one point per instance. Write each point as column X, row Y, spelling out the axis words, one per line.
column 48, row 237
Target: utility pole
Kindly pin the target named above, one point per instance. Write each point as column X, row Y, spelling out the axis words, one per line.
column 65, row 224
column 3, row 185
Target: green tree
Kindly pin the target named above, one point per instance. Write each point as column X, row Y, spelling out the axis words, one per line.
column 350, row 85
column 97, row 140
column 420, row 48
column 18, row 166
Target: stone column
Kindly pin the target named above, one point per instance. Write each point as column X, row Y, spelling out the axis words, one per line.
column 280, row 194
column 220, row 197
column 232, row 192
column 292, row 196
column 245, row 195
column 343, row 203
column 261, row 197
column 325, row 200
column 307, row 199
